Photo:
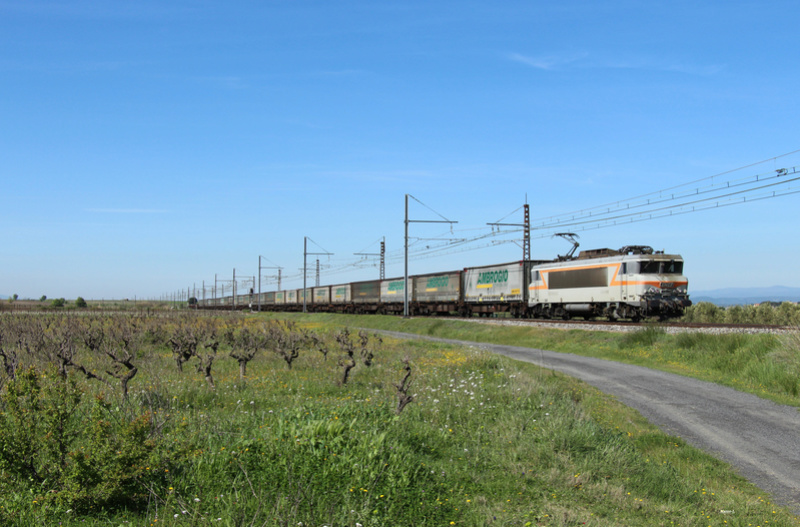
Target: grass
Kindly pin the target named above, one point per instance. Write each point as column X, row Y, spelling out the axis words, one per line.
column 763, row 364
column 486, row 441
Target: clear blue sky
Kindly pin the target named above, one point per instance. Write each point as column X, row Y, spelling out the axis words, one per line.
column 147, row 146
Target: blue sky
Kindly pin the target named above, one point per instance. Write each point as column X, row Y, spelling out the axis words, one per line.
column 147, row 146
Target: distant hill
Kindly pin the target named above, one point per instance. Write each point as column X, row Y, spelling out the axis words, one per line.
column 732, row 296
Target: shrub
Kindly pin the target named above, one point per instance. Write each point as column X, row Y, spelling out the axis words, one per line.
column 80, row 302
column 788, row 314
column 72, row 453
column 736, row 315
column 766, row 313
column 704, row 312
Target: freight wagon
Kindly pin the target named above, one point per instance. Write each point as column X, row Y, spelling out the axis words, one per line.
column 630, row 283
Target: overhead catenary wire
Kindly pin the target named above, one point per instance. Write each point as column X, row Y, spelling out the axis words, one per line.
column 672, row 212
column 676, row 200
column 676, row 203
column 461, row 244
column 582, row 212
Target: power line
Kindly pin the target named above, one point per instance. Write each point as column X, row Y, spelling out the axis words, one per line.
column 677, row 200
column 672, row 213
column 666, row 190
column 657, row 208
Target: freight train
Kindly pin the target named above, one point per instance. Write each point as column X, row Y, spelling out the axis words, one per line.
column 634, row 282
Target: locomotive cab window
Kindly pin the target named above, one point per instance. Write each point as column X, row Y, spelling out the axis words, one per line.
column 649, row 267
column 653, row 267
column 673, row 267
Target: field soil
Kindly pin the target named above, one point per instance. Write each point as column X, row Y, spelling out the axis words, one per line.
column 759, row 438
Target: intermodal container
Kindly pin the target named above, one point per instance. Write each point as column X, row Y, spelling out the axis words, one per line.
column 340, row 294
column 366, row 292
column 494, row 283
column 440, row 287
column 322, row 295
column 393, row 291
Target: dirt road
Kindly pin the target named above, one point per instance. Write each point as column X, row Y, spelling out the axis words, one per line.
column 761, row 439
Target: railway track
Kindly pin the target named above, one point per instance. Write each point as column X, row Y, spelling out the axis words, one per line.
column 622, row 327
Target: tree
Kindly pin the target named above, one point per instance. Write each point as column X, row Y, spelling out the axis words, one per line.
column 206, row 351
column 286, row 340
column 245, row 344
column 196, row 337
column 80, row 302
column 183, row 342
column 348, row 347
column 44, row 297
column 120, row 347
column 118, row 340
column 347, row 361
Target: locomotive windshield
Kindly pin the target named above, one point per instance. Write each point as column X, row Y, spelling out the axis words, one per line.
column 660, row 267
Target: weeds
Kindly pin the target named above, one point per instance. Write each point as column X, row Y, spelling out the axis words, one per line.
column 488, row 441
column 643, row 337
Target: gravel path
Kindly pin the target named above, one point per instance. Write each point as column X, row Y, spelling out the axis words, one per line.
column 761, row 439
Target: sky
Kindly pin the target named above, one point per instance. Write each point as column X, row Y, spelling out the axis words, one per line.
column 152, row 147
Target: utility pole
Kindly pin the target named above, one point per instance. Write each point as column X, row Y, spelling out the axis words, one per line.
column 526, row 226
column 405, row 276
column 260, row 267
column 252, row 281
column 526, row 240
column 305, row 266
column 233, row 287
column 382, row 254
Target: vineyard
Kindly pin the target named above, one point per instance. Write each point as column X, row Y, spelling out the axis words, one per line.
column 79, row 433
column 165, row 418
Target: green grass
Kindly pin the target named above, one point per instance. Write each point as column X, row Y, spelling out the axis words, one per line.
column 486, row 441
column 763, row 364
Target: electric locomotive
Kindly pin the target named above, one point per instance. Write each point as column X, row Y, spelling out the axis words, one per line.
column 633, row 282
